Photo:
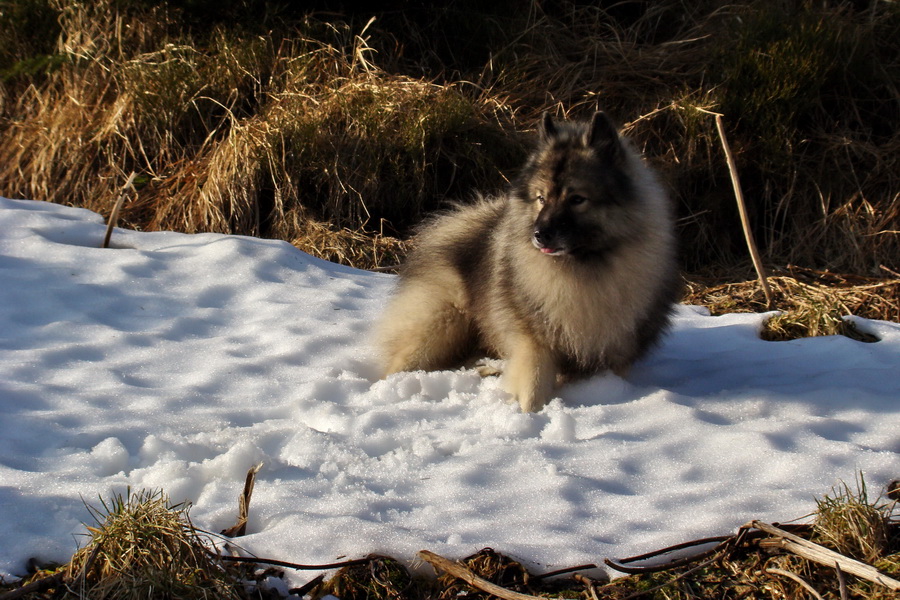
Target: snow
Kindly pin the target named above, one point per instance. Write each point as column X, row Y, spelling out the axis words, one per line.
column 180, row 361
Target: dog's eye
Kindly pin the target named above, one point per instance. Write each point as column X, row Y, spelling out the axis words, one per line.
column 540, row 199
column 575, row 199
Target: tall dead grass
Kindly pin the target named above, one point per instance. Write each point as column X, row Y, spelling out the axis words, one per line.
column 317, row 125
column 809, row 96
column 246, row 136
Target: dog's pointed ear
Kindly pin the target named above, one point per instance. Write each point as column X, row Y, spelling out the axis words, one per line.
column 602, row 136
column 547, row 128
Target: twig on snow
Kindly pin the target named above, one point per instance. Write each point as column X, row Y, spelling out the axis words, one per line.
column 36, row 587
column 290, row 565
column 114, row 215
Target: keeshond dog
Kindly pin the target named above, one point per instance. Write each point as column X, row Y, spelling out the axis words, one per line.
column 570, row 273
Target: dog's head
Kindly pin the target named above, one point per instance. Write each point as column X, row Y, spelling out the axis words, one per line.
column 578, row 189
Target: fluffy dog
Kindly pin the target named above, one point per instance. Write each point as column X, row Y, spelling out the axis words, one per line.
column 571, row 272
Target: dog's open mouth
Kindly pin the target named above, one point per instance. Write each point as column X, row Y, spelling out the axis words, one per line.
column 548, row 250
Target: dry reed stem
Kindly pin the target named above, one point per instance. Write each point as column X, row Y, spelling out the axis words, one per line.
column 824, row 556
column 798, row 580
column 114, row 215
column 461, row 572
column 742, row 208
column 240, row 527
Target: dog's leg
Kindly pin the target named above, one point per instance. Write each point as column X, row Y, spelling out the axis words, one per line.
column 424, row 331
column 530, row 374
column 487, row 370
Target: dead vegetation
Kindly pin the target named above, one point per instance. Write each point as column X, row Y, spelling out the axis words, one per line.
column 140, row 546
column 143, row 547
column 236, row 134
column 339, row 131
column 810, row 303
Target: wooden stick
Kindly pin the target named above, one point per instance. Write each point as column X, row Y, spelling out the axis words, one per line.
column 461, row 572
column 823, row 556
column 114, row 215
column 742, row 208
column 35, row 587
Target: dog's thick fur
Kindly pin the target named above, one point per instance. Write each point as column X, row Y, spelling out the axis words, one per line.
column 572, row 272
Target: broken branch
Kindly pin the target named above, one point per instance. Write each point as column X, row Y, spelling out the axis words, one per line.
column 819, row 554
column 461, row 572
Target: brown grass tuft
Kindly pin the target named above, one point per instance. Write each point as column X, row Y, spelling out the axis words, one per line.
column 849, row 522
column 382, row 578
column 143, row 547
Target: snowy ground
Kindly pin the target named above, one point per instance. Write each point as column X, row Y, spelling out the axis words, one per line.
column 179, row 361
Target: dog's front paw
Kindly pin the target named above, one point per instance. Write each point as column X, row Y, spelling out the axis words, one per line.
column 488, row 368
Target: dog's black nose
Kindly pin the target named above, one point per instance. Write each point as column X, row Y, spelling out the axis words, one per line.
column 539, row 236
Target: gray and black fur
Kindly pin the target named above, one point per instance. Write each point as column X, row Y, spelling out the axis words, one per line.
column 570, row 273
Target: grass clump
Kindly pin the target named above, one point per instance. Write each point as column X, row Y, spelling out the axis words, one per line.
column 851, row 523
column 141, row 546
column 848, row 522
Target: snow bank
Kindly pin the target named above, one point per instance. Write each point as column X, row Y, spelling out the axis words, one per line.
column 179, row 361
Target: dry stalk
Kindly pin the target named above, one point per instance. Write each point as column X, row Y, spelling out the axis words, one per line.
column 842, row 582
column 114, row 215
column 823, row 556
column 742, row 207
column 798, row 580
column 461, row 572
column 240, row 528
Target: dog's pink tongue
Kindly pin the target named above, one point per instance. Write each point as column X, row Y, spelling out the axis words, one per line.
column 548, row 250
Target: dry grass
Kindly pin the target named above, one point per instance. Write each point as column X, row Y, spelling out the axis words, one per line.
column 143, row 547
column 808, row 95
column 232, row 130
column 350, row 247
column 253, row 135
column 339, row 135
column 854, row 525
column 812, row 303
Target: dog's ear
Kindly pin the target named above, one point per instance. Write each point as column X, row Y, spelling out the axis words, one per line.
column 602, row 136
column 547, row 128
